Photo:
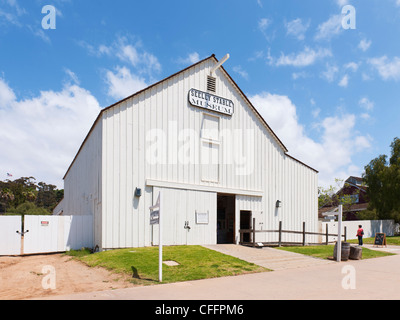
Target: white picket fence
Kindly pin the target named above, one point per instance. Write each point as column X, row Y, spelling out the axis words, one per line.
column 45, row 234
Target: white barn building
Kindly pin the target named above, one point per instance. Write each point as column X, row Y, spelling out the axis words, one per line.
column 197, row 138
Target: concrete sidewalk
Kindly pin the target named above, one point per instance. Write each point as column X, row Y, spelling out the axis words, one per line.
column 270, row 258
column 371, row 279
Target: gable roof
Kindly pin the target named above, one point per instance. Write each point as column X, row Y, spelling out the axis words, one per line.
column 173, row 75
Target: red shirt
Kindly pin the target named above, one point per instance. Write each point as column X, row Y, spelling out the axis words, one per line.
column 360, row 232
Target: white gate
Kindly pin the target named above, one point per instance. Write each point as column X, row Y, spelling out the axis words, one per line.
column 45, row 234
column 10, row 240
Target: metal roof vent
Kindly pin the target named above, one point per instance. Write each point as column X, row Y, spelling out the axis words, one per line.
column 211, row 84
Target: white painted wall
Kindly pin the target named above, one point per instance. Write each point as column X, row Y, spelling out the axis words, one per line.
column 370, row 228
column 58, row 234
column 10, row 240
column 83, row 182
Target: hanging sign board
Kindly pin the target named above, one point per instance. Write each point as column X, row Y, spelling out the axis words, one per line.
column 210, row 102
column 154, row 217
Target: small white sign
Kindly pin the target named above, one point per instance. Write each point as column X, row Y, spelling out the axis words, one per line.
column 202, row 217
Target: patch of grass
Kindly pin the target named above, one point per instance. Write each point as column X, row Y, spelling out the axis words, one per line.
column 79, row 253
column 389, row 241
column 195, row 262
column 323, row 252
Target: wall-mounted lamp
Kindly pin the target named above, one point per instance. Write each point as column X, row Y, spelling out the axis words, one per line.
column 138, row 192
column 278, row 203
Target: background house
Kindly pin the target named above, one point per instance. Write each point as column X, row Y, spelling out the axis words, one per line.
column 353, row 196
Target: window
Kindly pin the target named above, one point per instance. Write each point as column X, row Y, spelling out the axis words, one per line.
column 209, row 148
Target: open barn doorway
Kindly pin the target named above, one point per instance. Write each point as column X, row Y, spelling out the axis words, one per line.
column 225, row 218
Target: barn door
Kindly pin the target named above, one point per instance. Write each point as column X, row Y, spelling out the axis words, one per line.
column 10, row 235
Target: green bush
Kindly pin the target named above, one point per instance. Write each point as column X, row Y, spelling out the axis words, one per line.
column 27, row 208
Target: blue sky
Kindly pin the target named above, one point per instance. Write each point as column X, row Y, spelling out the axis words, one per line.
column 330, row 94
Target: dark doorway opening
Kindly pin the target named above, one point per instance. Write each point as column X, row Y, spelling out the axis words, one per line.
column 245, row 223
column 225, row 218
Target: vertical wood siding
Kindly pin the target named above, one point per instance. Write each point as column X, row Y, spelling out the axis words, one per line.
column 124, row 140
column 83, row 183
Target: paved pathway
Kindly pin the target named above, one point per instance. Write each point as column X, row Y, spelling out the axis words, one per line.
column 389, row 248
column 270, row 258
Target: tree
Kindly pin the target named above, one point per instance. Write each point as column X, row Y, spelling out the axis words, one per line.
column 6, row 196
column 383, row 180
column 25, row 190
column 47, row 196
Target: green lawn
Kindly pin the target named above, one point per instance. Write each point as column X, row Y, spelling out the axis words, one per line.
column 324, row 252
column 389, row 240
column 195, row 262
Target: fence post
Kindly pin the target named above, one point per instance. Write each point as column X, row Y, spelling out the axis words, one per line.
column 254, row 232
column 304, row 233
column 280, row 234
column 327, row 240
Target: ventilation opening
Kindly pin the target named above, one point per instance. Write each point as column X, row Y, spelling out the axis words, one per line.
column 211, row 83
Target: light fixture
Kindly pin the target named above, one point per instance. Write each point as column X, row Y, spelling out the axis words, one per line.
column 278, row 203
column 138, row 192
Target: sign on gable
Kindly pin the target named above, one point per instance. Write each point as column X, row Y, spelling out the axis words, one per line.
column 210, row 102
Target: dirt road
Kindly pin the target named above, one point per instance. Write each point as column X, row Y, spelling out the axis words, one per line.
column 23, row 277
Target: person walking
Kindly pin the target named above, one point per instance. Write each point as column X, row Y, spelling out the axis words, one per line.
column 360, row 234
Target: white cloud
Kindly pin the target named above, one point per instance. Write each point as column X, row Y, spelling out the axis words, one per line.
column 330, row 72
column 330, row 28
column 297, row 28
column 192, row 58
column 298, row 75
column 14, row 4
column 366, row 104
column 344, row 81
column 141, row 66
column 351, row 66
column 315, row 113
column 239, row 70
column 305, row 58
column 38, row 32
column 127, row 51
column 263, row 24
column 331, row 155
column 7, row 95
column 39, row 136
column 365, row 116
column 386, row 68
column 342, row 3
column 122, row 83
column 11, row 13
column 364, row 44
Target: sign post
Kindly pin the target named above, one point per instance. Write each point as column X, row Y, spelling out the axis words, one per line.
column 155, row 218
column 339, row 241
